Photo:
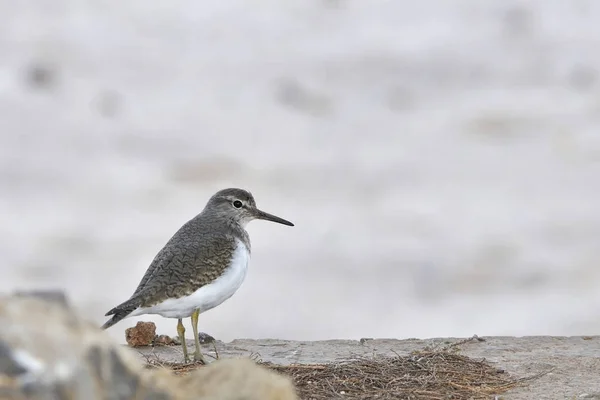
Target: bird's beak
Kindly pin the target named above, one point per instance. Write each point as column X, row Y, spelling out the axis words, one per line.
column 270, row 217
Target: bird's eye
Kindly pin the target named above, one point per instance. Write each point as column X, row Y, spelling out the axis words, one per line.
column 237, row 204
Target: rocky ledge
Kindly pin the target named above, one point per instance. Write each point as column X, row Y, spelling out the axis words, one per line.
column 48, row 352
column 564, row 367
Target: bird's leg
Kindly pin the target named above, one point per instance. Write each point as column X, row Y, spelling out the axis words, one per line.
column 181, row 332
column 197, row 354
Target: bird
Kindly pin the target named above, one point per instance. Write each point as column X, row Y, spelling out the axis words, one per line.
column 203, row 264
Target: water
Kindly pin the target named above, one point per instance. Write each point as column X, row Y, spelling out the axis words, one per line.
column 440, row 160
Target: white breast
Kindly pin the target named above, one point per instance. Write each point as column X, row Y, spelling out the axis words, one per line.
column 208, row 296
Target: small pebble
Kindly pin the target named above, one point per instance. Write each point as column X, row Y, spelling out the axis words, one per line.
column 164, row 340
column 205, row 338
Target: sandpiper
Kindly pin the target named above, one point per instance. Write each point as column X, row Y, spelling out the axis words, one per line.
column 200, row 267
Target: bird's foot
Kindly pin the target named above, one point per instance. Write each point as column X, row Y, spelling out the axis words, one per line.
column 198, row 357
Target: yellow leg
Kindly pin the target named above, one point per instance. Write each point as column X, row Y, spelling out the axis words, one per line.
column 197, row 354
column 181, row 332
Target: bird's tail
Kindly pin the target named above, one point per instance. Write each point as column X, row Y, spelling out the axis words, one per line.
column 119, row 312
column 119, row 315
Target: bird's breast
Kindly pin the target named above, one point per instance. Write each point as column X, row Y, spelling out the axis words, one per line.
column 229, row 281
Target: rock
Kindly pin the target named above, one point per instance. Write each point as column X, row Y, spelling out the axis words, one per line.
column 48, row 295
column 238, row 379
column 142, row 334
column 47, row 352
column 205, row 338
column 164, row 340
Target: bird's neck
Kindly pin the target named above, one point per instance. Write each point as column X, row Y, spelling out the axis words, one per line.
column 230, row 226
column 240, row 233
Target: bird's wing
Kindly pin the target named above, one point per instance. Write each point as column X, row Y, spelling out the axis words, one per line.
column 182, row 243
column 183, row 266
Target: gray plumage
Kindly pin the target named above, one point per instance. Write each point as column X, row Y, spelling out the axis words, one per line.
column 197, row 254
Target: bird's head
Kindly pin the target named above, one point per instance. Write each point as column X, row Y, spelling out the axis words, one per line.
column 239, row 206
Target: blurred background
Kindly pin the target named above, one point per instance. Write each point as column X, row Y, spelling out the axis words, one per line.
column 441, row 160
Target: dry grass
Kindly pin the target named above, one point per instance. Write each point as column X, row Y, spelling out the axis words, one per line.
column 423, row 375
column 430, row 374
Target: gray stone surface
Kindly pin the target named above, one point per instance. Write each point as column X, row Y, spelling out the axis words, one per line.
column 573, row 362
